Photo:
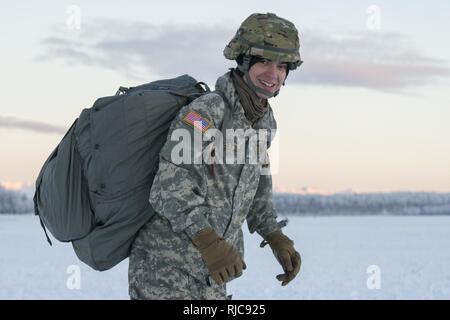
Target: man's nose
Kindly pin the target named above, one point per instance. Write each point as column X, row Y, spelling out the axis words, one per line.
column 271, row 71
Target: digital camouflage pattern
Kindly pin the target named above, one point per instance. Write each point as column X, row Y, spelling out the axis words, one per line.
column 192, row 197
column 267, row 36
column 153, row 279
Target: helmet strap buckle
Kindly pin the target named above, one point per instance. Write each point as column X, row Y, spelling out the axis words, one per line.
column 246, row 63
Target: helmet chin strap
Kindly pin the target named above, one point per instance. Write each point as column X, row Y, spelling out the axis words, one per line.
column 245, row 67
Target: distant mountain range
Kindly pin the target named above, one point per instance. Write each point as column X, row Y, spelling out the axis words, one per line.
column 345, row 203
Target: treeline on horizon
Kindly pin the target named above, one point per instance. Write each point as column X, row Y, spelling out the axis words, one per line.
column 389, row 203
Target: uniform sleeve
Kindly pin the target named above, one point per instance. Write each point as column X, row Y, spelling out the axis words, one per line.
column 179, row 190
column 262, row 215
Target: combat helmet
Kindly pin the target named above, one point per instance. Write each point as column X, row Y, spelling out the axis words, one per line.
column 265, row 36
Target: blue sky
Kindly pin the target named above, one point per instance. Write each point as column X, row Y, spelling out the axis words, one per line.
column 367, row 111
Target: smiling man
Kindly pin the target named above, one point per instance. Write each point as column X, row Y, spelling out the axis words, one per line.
column 194, row 245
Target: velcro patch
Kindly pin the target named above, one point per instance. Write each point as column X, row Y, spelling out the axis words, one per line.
column 197, row 121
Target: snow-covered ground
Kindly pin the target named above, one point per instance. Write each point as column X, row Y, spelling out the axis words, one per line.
column 378, row 257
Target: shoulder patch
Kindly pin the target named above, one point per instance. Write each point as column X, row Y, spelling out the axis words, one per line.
column 196, row 121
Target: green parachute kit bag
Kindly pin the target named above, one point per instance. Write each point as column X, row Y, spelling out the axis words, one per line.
column 93, row 190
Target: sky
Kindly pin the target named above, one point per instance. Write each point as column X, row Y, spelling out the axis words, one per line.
column 367, row 111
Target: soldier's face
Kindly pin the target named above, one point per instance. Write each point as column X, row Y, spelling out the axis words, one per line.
column 268, row 75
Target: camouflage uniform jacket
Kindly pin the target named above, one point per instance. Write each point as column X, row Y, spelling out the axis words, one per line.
column 191, row 197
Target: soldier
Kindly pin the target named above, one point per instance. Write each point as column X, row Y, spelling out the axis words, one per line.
column 194, row 245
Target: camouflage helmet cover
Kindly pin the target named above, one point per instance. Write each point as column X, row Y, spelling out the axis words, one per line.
column 267, row 36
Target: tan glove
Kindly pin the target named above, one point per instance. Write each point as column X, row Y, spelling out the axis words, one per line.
column 223, row 261
column 287, row 256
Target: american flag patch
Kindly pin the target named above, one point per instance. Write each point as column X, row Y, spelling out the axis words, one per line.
column 197, row 121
